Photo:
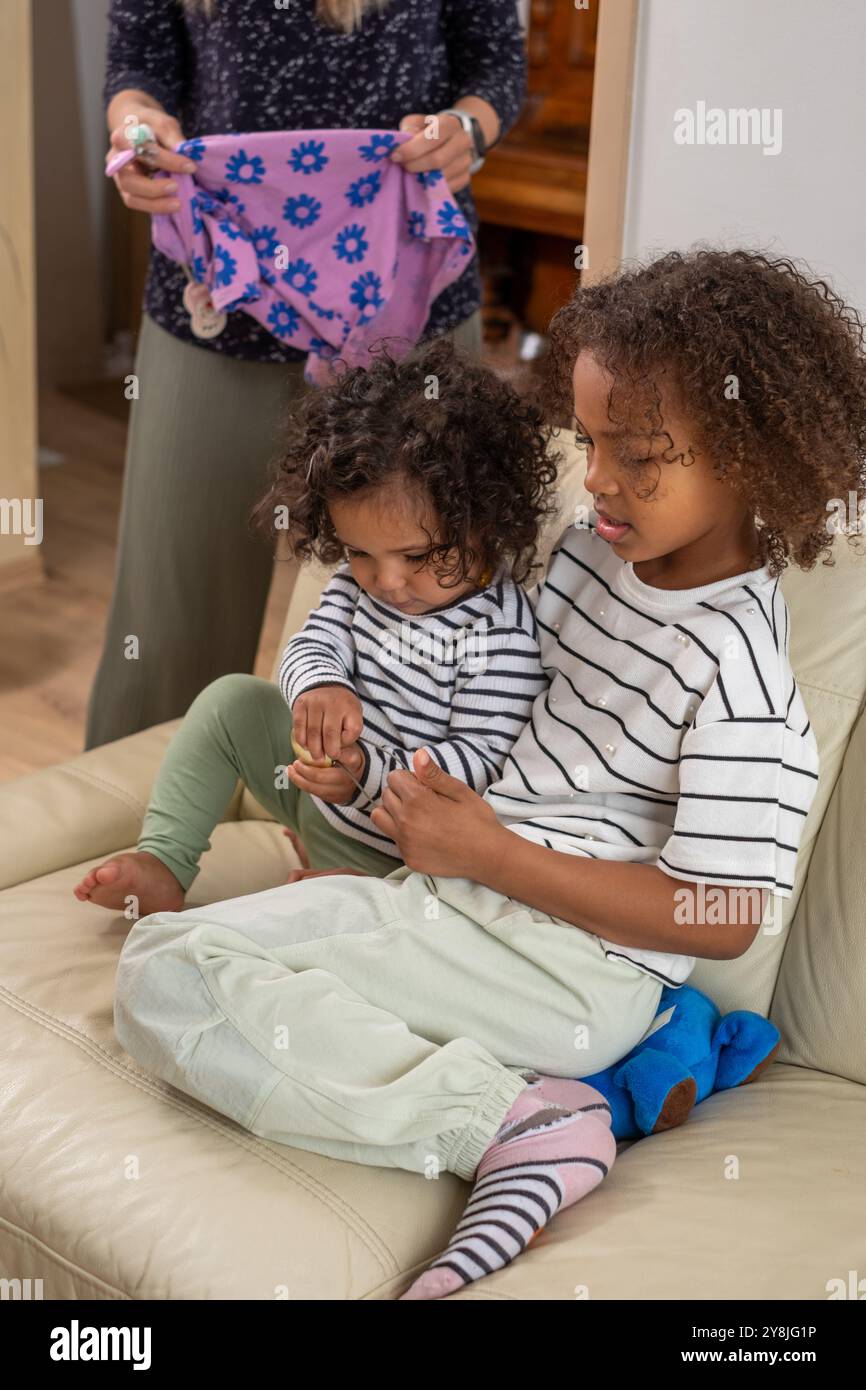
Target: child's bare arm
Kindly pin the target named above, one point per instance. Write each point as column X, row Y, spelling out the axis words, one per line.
column 442, row 827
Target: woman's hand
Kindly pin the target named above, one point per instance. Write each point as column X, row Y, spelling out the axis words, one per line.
column 439, row 825
column 440, row 142
column 326, row 719
column 449, row 149
column 331, row 784
column 135, row 183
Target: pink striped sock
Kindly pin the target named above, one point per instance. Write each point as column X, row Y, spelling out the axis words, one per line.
column 546, row 1155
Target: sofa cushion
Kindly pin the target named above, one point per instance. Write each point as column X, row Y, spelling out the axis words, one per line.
column 819, row 1001
column 760, row 1196
column 90, row 806
column 118, row 1186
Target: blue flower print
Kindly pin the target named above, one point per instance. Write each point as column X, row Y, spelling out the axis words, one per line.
column 243, row 168
column 199, row 203
column 430, row 178
column 267, row 275
column 308, row 157
column 451, row 221
column 199, row 269
column 247, row 295
column 223, row 195
column 302, row 211
column 365, row 294
column 324, row 313
column 322, row 349
column 230, row 230
column 364, row 190
column 350, row 245
column 417, row 224
column 265, row 241
column 193, row 149
column 225, row 266
column 283, row 320
column 380, row 147
column 301, row 276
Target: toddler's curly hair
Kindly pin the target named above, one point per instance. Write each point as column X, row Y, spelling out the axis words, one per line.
column 441, row 424
column 792, row 435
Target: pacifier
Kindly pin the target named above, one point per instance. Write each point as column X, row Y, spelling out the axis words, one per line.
column 139, row 136
column 205, row 320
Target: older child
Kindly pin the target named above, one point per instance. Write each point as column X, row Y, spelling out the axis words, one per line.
column 428, row 478
column 721, row 397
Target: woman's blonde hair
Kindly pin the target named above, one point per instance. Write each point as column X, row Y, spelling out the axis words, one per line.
column 338, row 14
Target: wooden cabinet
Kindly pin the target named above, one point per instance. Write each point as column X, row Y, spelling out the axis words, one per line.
column 531, row 192
column 536, row 178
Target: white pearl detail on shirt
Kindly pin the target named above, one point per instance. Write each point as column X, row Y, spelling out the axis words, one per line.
column 610, row 748
column 601, row 701
column 681, row 637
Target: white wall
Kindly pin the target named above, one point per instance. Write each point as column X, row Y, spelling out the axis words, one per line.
column 808, row 201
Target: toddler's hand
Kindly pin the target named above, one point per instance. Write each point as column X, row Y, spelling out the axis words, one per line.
column 326, row 719
column 331, row 784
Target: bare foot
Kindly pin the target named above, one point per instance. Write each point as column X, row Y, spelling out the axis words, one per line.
column 140, row 875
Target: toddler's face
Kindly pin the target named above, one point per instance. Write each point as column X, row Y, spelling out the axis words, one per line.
column 387, row 537
column 690, row 515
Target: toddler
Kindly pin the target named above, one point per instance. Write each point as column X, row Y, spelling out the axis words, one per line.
column 428, row 480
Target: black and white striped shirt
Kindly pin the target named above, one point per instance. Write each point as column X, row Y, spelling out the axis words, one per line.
column 459, row 680
column 672, row 733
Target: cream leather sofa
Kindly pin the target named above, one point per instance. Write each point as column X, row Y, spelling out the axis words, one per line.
column 113, row 1185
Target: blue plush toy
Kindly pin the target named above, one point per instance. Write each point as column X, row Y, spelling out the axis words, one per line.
column 692, row 1053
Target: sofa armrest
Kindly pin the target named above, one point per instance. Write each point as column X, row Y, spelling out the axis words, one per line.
column 89, row 806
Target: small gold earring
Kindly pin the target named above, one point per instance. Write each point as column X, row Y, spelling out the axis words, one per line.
column 485, row 578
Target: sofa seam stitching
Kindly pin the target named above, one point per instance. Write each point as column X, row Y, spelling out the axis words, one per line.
column 69, row 1265
column 127, row 798
column 141, row 1081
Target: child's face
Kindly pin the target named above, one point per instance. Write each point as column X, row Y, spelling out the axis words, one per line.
column 691, row 516
column 387, row 536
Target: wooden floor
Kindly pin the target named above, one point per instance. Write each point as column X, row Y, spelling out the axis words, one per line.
column 51, row 631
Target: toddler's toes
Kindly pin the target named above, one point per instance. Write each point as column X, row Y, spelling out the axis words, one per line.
column 108, row 873
column 434, row 1283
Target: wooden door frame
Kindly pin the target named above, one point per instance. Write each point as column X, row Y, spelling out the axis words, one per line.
column 19, row 561
column 609, row 136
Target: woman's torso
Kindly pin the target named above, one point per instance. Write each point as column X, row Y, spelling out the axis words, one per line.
column 253, row 67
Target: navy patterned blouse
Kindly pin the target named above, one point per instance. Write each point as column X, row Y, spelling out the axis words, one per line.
column 254, row 66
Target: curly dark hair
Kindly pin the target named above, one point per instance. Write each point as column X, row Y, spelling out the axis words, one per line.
column 795, row 436
column 479, row 453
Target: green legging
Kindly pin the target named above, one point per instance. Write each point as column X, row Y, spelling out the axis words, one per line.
column 239, row 727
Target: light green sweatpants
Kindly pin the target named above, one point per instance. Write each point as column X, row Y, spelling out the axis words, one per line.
column 379, row 1020
column 239, row 727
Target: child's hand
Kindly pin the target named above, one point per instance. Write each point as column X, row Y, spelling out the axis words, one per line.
column 439, row 825
column 326, row 719
column 298, row 875
column 331, row 784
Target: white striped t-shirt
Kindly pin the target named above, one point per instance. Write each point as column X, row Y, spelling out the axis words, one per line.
column 458, row 680
column 672, row 733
